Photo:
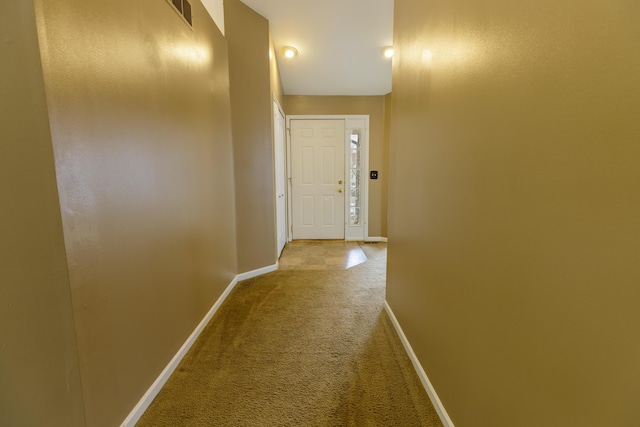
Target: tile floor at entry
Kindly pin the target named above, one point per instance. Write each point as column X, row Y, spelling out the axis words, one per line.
column 321, row 255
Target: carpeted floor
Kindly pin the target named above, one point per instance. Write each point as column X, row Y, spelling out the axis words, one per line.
column 299, row 348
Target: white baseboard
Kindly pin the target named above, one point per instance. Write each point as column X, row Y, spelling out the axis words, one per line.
column 157, row 385
column 258, row 272
column 435, row 400
column 376, row 239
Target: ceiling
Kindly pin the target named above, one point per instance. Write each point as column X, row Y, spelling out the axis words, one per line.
column 339, row 44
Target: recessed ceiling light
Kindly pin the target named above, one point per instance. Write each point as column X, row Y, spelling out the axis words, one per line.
column 387, row 52
column 289, row 51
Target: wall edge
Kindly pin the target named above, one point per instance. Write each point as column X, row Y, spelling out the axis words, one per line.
column 258, row 272
column 146, row 400
column 435, row 400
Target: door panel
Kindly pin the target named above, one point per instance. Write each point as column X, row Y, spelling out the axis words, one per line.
column 317, row 168
column 307, row 165
column 328, row 209
column 307, row 211
column 328, row 165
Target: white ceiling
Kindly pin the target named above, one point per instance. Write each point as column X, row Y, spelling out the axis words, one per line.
column 216, row 10
column 339, row 44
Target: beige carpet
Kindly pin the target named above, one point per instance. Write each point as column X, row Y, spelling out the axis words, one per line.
column 298, row 348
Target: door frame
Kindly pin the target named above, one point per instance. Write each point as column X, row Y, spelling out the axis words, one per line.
column 365, row 170
column 280, row 110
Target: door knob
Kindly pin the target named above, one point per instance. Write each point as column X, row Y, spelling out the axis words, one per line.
column 340, row 190
column 340, row 182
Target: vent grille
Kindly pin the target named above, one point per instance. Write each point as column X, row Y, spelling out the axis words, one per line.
column 186, row 11
column 183, row 7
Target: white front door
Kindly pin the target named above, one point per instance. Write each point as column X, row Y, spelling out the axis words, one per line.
column 279, row 155
column 317, row 178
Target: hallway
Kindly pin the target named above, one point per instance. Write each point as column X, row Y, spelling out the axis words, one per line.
column 306, row 345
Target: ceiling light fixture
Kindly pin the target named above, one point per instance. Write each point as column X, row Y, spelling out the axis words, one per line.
column 387, row 52
column 289, row 51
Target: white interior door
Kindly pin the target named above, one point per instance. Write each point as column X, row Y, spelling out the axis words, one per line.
column 317, row 178
column 279, row 155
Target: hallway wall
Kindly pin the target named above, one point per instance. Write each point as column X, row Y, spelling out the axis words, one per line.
column 360, row 105
column 514, row 257
column 140, row 121
column 251, row 102
column 39, row 372
column 386, row 152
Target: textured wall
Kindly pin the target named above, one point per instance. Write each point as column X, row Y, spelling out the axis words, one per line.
column 514, row 258
column 139, row 111
column 251, row 101
column 39, row 375
column 386, row 146
column 360, row 105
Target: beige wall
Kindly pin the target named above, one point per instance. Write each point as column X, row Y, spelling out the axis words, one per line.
column 139, row 111
column 251, row 103
column 386, row 145
column 514, row 258
column 344, row 105
column 40, row 381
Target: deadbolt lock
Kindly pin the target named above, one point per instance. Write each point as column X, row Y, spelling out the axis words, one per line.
column 340, row 182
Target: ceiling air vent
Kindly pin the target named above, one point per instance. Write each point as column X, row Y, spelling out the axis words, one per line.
column 183, row 7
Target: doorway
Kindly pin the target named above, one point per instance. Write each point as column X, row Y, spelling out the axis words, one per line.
column 327, row 177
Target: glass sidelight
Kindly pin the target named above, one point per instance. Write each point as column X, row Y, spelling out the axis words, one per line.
column 355, row 172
